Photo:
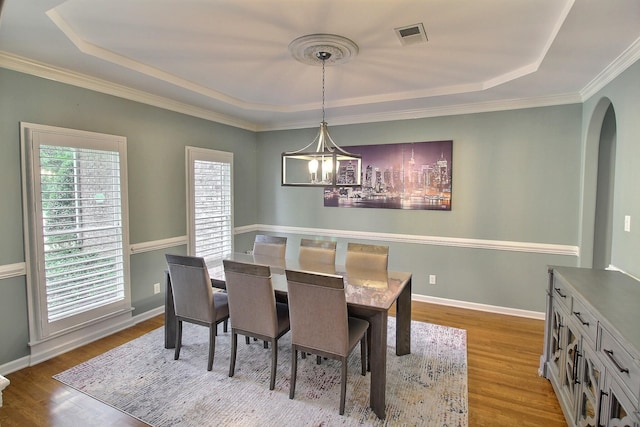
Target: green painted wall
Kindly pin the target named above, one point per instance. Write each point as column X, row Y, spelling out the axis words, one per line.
column 519, row 176
column 516, row 177
column 156, row 141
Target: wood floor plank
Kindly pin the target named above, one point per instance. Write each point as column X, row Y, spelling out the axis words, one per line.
column 503, row 353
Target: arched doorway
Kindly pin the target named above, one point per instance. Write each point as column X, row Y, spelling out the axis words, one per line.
column 603, row 221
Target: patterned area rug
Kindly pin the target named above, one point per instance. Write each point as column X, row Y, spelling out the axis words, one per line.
column 426, row 388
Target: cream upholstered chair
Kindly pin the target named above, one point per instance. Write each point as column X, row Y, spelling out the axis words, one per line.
column 323, row 329
column 372, row 257
column 273, row 246
column 194, row 300
column 317, row 252
column 254, row 310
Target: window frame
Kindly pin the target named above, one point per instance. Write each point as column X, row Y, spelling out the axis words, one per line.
column 32, row 136
column 193, row 154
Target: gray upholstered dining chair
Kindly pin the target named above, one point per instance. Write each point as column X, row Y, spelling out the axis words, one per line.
column 317, row 251
column 254, row 310
column 323, row 329
column 194, row 299
column 273, row 246
column 362, row 256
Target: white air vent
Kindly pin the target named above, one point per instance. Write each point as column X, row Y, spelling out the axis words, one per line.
column 411, row 34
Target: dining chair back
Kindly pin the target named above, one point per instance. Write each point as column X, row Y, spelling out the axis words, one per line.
column 253, row 309
column 194, row 299
column 363, row 256
column 317, row 251
column 320, row 324
column 273, row 246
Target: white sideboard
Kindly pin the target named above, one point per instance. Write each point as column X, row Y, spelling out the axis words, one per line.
column 592, row 346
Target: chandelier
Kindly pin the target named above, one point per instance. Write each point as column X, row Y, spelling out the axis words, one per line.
column 329, row 165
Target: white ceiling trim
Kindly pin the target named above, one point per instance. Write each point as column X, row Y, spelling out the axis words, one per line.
column 452, row 110
column 534, row 66
column 114, row 58
column 28, row 66
column 613, row 70
column 123, row 61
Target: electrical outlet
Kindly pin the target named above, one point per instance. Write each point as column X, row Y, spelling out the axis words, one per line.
column 432, row 279
column 156, row 288
column 627, row 223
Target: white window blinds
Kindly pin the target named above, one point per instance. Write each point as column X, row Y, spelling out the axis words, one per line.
column 81, row 229
column 77, row 227
column 211, row 213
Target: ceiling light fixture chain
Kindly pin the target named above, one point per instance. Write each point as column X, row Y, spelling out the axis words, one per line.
column 323, row 56
column 328, row 165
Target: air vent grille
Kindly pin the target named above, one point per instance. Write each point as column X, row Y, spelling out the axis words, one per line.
column 411, row 34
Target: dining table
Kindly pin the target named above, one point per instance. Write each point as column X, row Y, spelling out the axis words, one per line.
column 370, row 294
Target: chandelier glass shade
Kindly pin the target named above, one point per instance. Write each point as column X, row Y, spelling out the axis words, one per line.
column 329, row 165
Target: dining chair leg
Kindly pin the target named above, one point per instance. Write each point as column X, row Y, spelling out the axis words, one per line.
column 234, row 348
column 294, row 371
column 178, row 339
column 225, row 325
column 212, row 345
column 246, row 339
column 318, row 360
column 343, row 385
column 274, row 362
column 364, row 354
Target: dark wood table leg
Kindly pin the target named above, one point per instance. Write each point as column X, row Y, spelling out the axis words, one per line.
column 169, row 314
column 403, row 321
column 378, row 362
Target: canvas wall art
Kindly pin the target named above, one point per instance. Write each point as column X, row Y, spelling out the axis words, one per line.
column 415, row 175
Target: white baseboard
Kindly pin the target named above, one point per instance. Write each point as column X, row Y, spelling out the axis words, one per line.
column 148, row 314
column 14, row 365
column 73, row 342
column 26, row 361
column 479, row 307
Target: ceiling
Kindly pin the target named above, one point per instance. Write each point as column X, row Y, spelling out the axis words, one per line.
column 229, row 61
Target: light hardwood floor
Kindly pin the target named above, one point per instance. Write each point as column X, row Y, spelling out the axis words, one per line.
column 503, row 356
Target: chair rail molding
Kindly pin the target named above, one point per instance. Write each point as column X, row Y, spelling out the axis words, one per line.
column 539, row 248
column 155, row 245
column 13, row 270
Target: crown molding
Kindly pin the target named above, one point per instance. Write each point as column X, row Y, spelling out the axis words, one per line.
column 421, row 113
column 39, row 69
column 28, row 66
column 613, row 70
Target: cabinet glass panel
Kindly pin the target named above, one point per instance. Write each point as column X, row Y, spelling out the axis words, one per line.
column 587, row 406
column 618, row 412
column 569, row 378
column 556, row 346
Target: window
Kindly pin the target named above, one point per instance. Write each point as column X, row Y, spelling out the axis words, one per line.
column 76, row 226
column 210, row 202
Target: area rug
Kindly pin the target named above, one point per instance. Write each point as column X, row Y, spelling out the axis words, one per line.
column 425, row 388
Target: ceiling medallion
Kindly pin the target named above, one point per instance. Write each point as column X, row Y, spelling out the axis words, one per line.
column 306, row 49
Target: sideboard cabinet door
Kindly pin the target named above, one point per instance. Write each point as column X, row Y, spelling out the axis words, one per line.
column 617, row 409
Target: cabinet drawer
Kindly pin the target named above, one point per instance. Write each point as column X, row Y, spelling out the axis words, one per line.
column 585, row 319
column 620, row 362
column 561, row 292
